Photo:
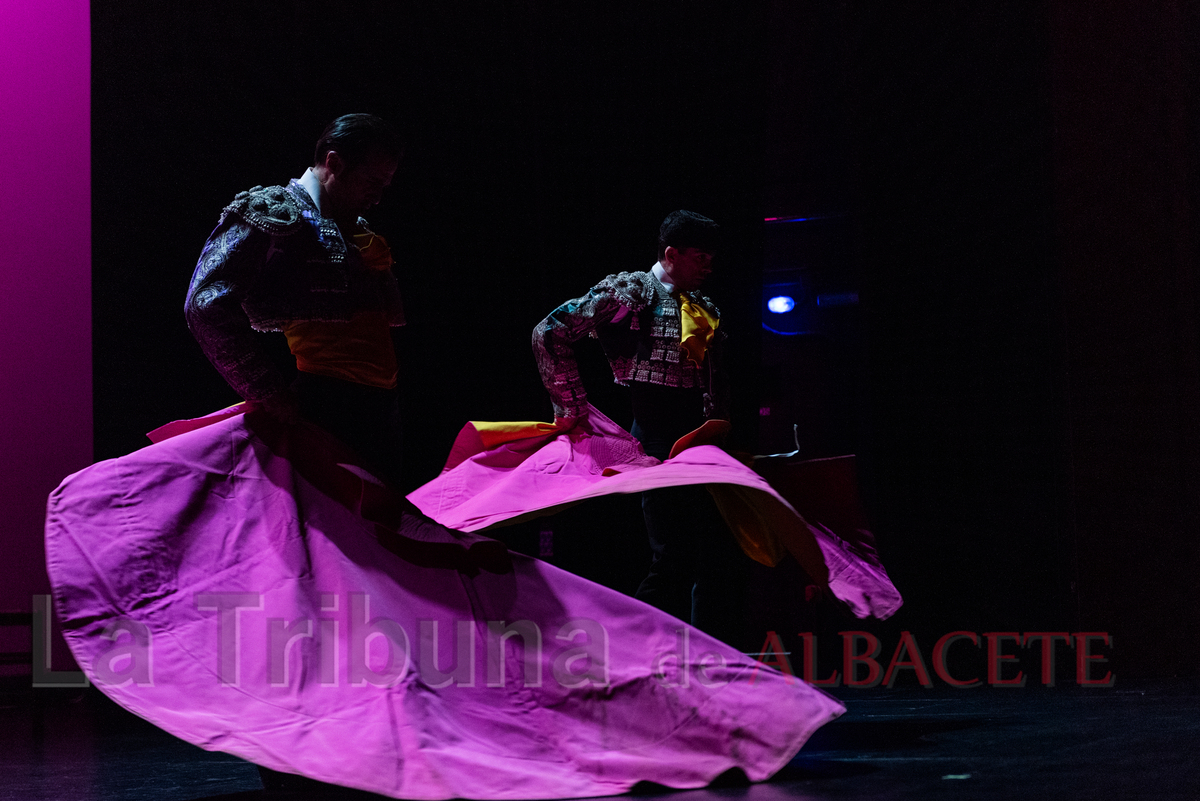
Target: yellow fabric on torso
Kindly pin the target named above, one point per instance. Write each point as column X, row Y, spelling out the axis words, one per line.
column 359, row 350
column 696, row 329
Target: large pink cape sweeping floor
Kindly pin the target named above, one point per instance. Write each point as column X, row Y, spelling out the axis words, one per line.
column 484, row 486
column 237, row 587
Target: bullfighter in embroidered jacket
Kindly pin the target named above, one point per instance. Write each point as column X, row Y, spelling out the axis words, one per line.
column 663, row 340
column 299, row 259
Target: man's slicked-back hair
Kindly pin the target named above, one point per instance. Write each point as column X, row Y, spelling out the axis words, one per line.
column 687, row 229
column 357, row 137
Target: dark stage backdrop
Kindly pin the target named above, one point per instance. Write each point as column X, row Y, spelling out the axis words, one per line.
column 1025, row 183
column 1024, row 394
column 961, row 298
column 546, row 142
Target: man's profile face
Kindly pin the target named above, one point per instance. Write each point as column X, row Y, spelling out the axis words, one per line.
column 687, row 267
column 355, row 189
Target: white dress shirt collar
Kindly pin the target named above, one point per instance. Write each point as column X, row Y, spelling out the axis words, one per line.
column 661, row 275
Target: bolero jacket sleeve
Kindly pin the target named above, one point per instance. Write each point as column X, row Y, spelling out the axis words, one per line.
column 610, row 301
column 250, row 229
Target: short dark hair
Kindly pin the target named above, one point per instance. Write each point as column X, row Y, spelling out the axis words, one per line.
column 357, row 137
column 687, row 229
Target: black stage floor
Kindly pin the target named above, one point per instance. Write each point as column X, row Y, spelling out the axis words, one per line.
column 1128, row 741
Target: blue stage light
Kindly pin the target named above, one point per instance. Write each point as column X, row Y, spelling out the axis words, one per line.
column 781, row 304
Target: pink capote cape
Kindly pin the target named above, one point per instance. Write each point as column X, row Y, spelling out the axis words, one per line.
column 248, row 588
column 490, row 481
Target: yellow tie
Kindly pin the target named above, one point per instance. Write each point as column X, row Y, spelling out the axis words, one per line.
column 697, row 328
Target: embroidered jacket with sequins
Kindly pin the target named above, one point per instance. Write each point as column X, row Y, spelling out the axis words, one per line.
column 637, row 322
column 273, row 260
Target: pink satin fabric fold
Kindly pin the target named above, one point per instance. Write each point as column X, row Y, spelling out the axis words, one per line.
column 485, row 486
column 247, row 587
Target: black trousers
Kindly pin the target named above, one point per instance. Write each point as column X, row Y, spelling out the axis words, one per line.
column 365, row 418
column 697, row 572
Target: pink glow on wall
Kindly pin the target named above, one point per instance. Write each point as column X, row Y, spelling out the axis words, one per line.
column 45, row 275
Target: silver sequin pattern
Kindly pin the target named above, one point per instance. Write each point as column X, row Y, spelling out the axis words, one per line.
column 637, row 321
